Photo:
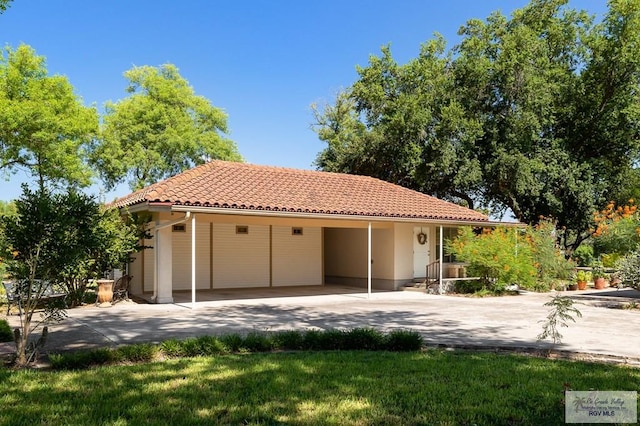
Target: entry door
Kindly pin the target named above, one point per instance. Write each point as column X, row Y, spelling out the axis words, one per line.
column 421, row 252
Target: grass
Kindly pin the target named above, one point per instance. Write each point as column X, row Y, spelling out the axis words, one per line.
column 336, row 387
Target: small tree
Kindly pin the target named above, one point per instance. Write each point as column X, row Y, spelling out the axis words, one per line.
column 31, row 238
column 65, row 239
column 562, row 311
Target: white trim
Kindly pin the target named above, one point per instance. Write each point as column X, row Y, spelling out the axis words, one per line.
column 359, row 218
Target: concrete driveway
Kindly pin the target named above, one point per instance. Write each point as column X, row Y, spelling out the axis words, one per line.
column 511, row 321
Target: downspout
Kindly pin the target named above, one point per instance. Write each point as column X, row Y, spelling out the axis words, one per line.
column 156, row 228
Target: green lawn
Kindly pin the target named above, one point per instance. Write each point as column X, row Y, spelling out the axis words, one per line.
column 341, row 387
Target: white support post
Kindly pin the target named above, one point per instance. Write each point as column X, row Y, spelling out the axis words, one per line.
column 369, row 261
column 164, row 259
column 441, row 261
column 156, row 262
column 193, row 261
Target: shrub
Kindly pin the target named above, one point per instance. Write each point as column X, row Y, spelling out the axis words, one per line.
column 629, row 270
column 291, row 340
column 617, row 229
column 331, row 339
column 6, row 335
column 194, row 346
column 403, row 341
column 233, row 342
column 172, row 348
column 82, row 359
column 257, row 342
column 469, row 286
column 142, row 352
column 583, row 255
column 492, row 256
column 211, row 345
column 312, row 340
column 368, row 339
column 501, row 257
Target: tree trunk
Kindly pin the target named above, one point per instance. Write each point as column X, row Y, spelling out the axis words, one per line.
column 20, row 340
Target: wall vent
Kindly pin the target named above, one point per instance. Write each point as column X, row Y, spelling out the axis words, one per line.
column 242, row 229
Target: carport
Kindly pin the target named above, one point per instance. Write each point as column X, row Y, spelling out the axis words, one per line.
column 225, row 225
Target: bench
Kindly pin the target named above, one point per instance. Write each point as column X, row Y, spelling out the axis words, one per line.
column 16, row 292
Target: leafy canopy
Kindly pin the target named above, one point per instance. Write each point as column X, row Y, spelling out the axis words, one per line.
column 537, row 114
column 44, row 126
column 161, row 129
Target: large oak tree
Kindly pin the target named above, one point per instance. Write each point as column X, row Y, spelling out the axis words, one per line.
column 537, row 113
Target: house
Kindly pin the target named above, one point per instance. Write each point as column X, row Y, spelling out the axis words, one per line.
column 235, row 225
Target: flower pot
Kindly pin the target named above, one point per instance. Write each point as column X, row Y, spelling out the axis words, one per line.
column 599, row 283
column 582, row 285
column 573, row 287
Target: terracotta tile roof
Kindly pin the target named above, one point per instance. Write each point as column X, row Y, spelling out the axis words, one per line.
column 224, row 184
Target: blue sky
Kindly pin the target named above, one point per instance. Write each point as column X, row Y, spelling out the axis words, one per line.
column 263, row 62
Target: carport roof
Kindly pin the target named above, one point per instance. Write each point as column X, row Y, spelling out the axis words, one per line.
column 223, row 185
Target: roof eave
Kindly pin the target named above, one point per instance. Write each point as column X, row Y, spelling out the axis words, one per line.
column 360, row 218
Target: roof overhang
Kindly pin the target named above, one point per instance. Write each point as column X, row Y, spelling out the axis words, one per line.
column 325, row 216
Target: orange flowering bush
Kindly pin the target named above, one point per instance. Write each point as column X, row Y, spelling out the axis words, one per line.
column 617, row 229
column 493, row 257
column 503, row 256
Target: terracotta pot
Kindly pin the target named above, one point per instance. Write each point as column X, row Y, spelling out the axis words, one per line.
column 582, row 285
column 573, row 287
column 599, row 283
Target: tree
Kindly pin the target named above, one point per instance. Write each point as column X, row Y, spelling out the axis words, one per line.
column 4, row 4
column 537, row 114
column 31, row 240
column 63, row 238
column 161, row 129
column 44, row 127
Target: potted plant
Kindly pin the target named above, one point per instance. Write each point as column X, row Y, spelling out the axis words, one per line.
column 599, row 277
column 581, row 279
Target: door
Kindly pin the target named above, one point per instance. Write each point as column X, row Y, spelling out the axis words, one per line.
column 421, row 252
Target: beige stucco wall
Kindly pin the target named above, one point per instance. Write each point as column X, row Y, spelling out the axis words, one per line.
column 403, row 251
column 271, row 255
column 240, row 260
column 296, row 259
column 148, row 266
column 136, row 273
column 181, row 265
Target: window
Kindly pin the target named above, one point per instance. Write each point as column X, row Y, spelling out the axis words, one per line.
column 447, row 234
column 242, row 229
column 296, row 231
column 180, row 228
